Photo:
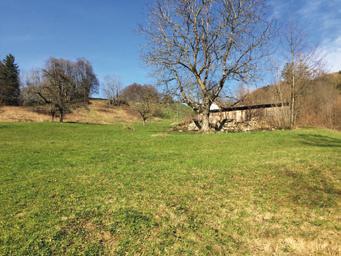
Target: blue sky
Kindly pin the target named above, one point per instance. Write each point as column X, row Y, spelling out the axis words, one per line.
column 320, row 19
column 104, row 32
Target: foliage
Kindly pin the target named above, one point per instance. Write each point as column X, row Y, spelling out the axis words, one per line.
column 91, row 189
column 9, row 81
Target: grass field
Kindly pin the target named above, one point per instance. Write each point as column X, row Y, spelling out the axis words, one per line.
column 72, row 189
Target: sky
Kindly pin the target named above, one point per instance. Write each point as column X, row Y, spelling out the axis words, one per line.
column 320, row 20
column 105, row 32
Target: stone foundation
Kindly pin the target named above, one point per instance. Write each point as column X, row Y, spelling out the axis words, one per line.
column 246, row 120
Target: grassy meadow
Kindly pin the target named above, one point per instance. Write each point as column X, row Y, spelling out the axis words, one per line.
column 80, row 189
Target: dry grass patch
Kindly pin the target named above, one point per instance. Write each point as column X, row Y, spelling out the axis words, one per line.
column 98, row 112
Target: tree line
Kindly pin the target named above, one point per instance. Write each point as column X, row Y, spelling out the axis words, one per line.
column 63, row 85
column 60, row 85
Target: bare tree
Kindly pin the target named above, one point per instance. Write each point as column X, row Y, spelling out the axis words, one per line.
column 112, row 90
column 242, row 91
column 199, row 46
column 33, row 89
column 303, row 65
column 84, row 78
column 66, row 83
column 57, row 88
column 142, row 98
column 28, row 96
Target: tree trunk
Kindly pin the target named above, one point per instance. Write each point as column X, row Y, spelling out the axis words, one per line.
column 61, row 118
column 292, row 103
column 205, row 127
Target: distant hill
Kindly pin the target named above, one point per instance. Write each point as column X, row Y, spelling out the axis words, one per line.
column 273, row 93
column 319, row 102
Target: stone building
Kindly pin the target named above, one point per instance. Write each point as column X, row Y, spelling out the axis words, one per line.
column 247, row 117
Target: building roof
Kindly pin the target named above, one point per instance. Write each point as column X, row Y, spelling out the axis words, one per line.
column 249, row 107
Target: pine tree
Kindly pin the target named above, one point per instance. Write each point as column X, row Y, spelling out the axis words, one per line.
column 2, row 85
column 9, row 81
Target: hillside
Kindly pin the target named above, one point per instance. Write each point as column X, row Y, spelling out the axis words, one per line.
column 273, row 93
column 96, row 112
column 318, row 103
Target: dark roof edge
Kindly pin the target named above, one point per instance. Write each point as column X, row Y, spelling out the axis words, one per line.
column 249, row 107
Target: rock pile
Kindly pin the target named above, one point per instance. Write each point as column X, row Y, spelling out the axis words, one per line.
column 234, row 126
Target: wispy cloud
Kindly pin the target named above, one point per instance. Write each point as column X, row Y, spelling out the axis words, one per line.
column 320, row 16
column 310, row 8
column 331, row 50
column 320, row 20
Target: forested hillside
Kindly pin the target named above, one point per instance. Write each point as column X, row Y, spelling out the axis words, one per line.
column 318, row 101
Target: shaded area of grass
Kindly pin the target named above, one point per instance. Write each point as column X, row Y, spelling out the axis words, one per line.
column 90, row 189
column 320, row 140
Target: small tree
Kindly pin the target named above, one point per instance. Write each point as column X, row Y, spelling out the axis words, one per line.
column 9, row 81
column 84, row 79
column 142, row 98
column 66, row 83
column 57, row 88
column 112, row 90
column 303, row 65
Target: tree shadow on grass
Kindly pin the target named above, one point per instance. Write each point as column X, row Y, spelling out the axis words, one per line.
column 320, row 140
column 4, row 126
column 313, row 189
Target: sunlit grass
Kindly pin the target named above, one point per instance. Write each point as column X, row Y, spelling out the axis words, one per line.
column 92, row 189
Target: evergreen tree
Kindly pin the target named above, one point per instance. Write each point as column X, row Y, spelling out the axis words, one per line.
column 9, row 81
column 2, row 85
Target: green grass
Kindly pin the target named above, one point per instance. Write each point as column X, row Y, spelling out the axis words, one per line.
column 72, row 189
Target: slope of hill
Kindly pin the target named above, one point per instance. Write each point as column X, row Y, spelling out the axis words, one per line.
column 97, row 112
column 277, row 92
column 318, row 103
